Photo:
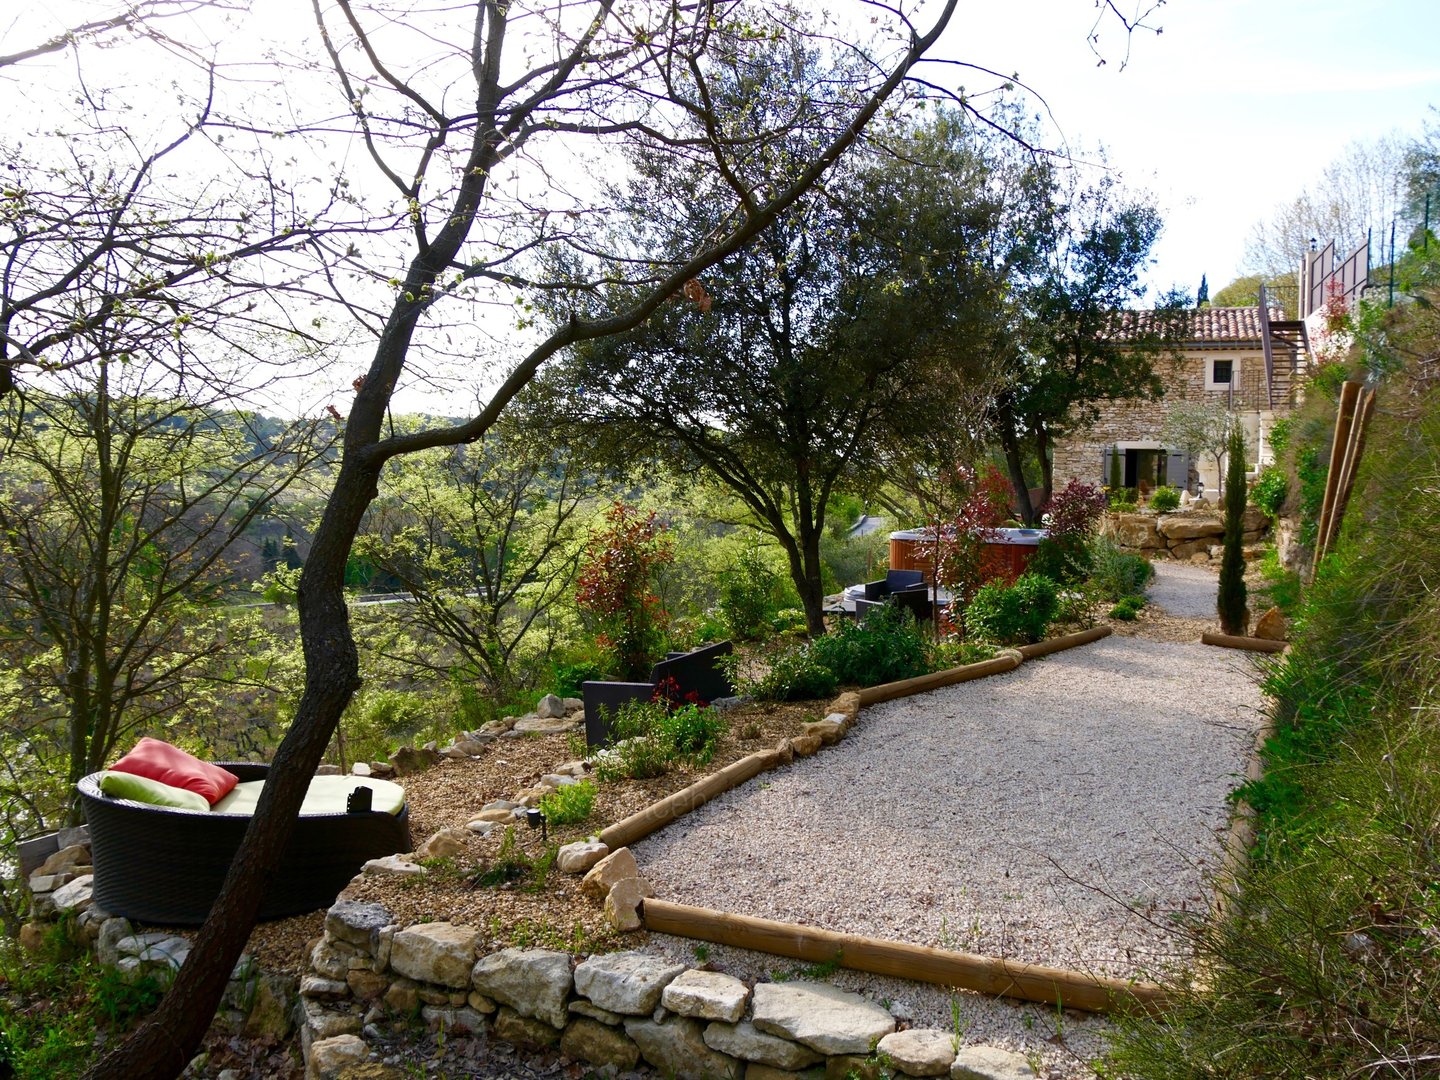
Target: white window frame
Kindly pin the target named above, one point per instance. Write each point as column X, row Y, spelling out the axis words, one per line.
column 1211, row 383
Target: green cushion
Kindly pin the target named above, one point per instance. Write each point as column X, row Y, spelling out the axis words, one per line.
column 326, row 795
column 124, row 785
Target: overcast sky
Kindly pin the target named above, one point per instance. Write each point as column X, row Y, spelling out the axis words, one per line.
column 1232, row 110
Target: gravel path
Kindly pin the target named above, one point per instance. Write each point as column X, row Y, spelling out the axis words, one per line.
column 1184, row 589
column 1059, row 814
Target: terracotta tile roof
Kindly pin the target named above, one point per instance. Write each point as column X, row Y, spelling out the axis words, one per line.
column 1211, row 325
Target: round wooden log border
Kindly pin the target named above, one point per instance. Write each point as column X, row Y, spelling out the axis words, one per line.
column 1234, row 641
column 1067, row 641
column 985, row 974
column 643, row 822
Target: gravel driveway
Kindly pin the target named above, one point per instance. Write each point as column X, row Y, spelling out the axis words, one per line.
column 1059, row 814
column 1184, row 589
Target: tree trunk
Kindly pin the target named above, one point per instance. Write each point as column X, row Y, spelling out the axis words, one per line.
column 813, row 595
column 1047, row 469
column 1015, row 466
column 161, row 1047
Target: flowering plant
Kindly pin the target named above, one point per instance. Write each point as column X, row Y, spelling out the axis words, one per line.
column 616, row 586
column 1074, row 510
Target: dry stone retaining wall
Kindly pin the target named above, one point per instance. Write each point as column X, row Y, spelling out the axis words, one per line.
column 1195, row 535
column 614, row 1010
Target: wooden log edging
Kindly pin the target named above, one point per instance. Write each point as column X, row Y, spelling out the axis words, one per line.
column 643, row 822
column 1065, row 641
column 1009, row 660
column 984, row 974
column 1240, row 837
column 1234, row 641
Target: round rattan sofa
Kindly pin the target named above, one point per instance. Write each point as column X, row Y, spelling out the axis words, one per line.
column 162, row 865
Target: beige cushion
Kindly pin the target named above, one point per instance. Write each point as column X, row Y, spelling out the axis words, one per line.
column 326, row 795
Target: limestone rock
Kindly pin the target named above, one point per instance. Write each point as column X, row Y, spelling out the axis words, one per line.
column 1189, row 526
column 471, row 747
column 326, row 1023
column 580, row 856
column 393, row 866
column 581, row 1007
column 332, row 958
column 1133, row 530
column 755, row 1071
column 366, row 985
column 707, row 995
column 480, row 1003
column 273, row 1011
column 319, row 988
column 677, row 1047
column 371, row 1070
column 747, row 1041
column 76, row 896
column 524, row 1030
column 535, row 725
column 65, row 860
column 32, row 936
column 357, row 923
column 989, row 1063
column 361, row 768
column 435, row 953
column 785, row 752
column 855, row 1067
column 445, row 844
column 805, row 745
column 534, row 982
column 329, row 1056
column 591, row 1041
column 495, row 813
column 550, row 707
column 625, row 982
column 1271, row 626
column 452, row 1021
column 617, row 866
column 920, row 1052
column 827, row 730
column 327, row 769
column 574, row 704
column 824, row 1018
column 409, row 760
column 112, row 931
column 622, row 904
column 482, row 828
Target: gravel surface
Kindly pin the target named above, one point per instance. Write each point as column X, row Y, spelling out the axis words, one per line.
column 1062, row 814
column 1184, row 589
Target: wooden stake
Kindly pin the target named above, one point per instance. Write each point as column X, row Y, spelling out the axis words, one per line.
column 1353, row 450
column 642, row 823
column 1344, row 419
column 985, row 974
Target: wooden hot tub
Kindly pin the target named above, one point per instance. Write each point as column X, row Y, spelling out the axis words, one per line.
column 1006, row 554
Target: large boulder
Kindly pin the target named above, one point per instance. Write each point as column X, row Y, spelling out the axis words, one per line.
column 1134, row 530
column 1191, row 526
column 824, row 1018
column 409, row 760
column 533, row 982
column 989, row 1063
column 357, row 923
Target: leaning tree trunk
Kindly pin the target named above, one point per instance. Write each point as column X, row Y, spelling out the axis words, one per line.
column 161, row 1048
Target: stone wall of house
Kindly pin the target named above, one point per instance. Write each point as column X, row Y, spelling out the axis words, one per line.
column 1081, row 455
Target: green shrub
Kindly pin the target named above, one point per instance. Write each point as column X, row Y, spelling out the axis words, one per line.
column 1065, row 560
column 1124, row 506
column 1013, row 614
column 568, row 674
column 794, row 674
column 883, row 647
column 1270, row 490
column 569, row 804
column 1282, row 587
column 376, row 720
column 952, row 653
column 750, row 593
column 648, row 738
column 1116, row 574
column 1128, row 609
column 1164, row 499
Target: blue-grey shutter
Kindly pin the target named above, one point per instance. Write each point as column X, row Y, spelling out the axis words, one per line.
column 1177, row 469
column 1105, row 456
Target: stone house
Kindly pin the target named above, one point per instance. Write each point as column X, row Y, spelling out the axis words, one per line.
column 1246, row 358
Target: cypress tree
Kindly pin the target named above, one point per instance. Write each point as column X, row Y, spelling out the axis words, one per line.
column 1230, row 601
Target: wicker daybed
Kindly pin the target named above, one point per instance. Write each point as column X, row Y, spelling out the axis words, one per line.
column 163, row 865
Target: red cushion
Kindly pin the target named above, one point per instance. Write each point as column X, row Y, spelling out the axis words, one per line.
column 168, row 764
